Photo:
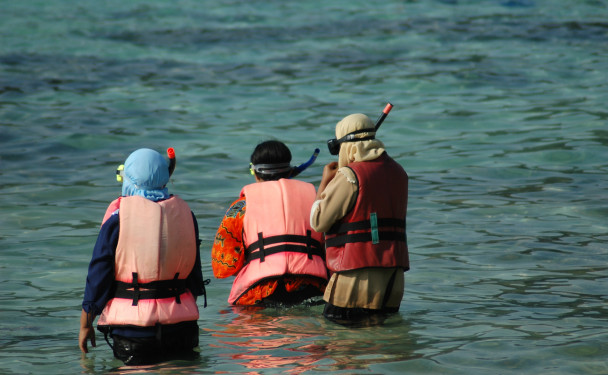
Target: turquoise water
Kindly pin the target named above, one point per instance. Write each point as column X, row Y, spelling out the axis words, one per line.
column 500, row 120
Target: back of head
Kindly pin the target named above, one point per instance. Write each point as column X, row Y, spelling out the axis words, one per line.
column 358, row 150
column 146, row 174
column 354, row 122
column 271, row 160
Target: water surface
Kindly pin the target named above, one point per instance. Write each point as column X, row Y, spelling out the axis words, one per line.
column 499, row 119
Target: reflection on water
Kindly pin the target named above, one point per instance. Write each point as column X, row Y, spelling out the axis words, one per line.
column 92, row 365
column 299, row 340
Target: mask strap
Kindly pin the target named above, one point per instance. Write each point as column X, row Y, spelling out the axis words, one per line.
column 350, row 137
column 270, row 168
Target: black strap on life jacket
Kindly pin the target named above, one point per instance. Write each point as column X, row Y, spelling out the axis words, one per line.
column 365, row 224
column 152, row 290
column 289, row 242
column 106, row 330
column 342, row 236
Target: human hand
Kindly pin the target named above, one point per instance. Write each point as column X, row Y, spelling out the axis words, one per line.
column 329, row 172
column 86, row 334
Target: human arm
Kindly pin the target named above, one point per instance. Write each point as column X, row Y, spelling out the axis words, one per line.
column 195, row 281
column 195, row 278
column 100, row 278
column 329, row 172
column 87, row 332
column 335, row 198
column 228, row 253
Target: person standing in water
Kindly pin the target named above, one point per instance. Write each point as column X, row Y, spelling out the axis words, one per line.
column 145, row 272
column 265, row 239
column 361, row 206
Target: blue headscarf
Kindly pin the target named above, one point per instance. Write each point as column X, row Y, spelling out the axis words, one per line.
column 146, row 174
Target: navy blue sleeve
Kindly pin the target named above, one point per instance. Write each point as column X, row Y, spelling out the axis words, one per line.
column 100, row 278
column 195, row 279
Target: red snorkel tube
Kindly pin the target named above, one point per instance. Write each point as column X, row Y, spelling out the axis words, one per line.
column 172, row 160
column 383, row 115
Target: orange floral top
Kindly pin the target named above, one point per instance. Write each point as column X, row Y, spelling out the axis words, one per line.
column 228, row 258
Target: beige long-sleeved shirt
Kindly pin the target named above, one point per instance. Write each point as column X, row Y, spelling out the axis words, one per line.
column 336, row 201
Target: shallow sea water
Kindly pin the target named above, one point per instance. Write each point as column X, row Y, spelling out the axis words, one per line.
column 500, row 120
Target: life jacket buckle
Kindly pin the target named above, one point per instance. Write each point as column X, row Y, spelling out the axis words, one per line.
column 261, row 250
column 177, row 290
column 373, row 221
column 308, row 243
column 136, row 290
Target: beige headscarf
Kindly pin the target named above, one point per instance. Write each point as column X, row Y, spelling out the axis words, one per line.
column 357, row 151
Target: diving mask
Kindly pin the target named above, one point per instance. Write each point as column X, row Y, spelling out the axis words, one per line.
column 120, row 173
column 269, row 168
column 334, row 144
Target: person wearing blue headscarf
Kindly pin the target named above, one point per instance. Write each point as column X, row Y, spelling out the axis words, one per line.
column 113, row 290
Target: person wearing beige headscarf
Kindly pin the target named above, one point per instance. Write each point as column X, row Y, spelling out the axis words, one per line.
column 361, row 206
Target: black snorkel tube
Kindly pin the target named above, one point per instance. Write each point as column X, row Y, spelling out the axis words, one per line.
column 297, row 170
column 172, row 160
column 333, row 145
column 383, row 115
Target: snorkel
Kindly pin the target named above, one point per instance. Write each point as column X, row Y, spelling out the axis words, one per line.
column 283, row 168
column 172, row 160
column 297, row 170
column 334, row 144
column 383, row 115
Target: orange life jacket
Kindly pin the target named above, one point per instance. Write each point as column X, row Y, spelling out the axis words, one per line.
column 372, row 234
column 112, row 208
column 277, row 235
column 156, row 252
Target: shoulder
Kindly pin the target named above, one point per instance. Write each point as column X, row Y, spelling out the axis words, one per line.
column 237, row 208
column 111, row 225
column 348, row 174
column 297, row 187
